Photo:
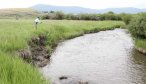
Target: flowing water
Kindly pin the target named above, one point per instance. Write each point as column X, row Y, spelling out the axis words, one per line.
column 106, row 57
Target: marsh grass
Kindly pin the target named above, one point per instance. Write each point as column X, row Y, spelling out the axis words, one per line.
column 15, row 34
column 14, row 70
column 140, row 43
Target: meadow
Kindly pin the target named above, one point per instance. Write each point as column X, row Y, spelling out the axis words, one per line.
column 15, row 34
column 13, row 13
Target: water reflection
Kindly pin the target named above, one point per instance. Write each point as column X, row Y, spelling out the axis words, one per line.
column 137, row 67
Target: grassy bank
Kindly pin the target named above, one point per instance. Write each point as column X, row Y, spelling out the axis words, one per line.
column 15, row 71
column 15, row 35
column 137, row 28
column 141, row 43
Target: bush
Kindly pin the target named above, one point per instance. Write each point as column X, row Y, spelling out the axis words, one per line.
column 109, row 16
column 138, row 26
column 60, row 15
column 45, row 17
column 54, row 15
column 126, row 18
column 71, row 17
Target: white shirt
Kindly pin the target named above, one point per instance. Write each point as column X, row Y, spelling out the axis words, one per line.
column 37, row 20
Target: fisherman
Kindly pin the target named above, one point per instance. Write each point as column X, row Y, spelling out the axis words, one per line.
column 37, row 21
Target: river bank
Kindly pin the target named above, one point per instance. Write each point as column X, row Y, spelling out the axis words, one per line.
column 141, row 50
column 137, row 29
column 39, row 55
column 140, row 45
column 16, row 35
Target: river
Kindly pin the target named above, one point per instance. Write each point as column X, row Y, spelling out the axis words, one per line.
column 106, row 57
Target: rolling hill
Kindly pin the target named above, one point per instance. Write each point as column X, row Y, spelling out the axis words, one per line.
column 18, row 12
column 75, row 9
column 66, row 9
column 36, row 10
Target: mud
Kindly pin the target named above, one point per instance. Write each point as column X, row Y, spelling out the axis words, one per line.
column 141, row 50
column 37, row 53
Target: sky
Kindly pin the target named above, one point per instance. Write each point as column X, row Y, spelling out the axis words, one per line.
column 94, row 4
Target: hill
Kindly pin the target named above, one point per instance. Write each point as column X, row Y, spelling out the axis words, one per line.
column 66, row 9
column 18, row 13
column 123, row 10
column 75, row 9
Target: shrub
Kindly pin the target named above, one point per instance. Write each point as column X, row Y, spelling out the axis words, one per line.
column 71, row 17
column 138, row 26
column 59, row 15
column 126, row 18
column 109, row 16
column 54, row 15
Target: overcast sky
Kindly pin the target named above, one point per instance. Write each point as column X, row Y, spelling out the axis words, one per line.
column 95, row 4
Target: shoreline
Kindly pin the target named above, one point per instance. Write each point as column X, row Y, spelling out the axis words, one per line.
column 141, row 50
column 39, row 55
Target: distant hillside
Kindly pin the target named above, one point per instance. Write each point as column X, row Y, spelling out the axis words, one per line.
column 66, row 9
column 123, row 10
column 18, row 12
column 74, row 9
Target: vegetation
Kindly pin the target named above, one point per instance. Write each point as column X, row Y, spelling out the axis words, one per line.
column 140, row 43
column 126, row 18
column 18, row 13
column 60, row 15
column 16, row 71
column 15, row 34
column 27, row 13
column 137, row 28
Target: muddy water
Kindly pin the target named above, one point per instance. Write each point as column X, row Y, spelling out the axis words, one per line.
column 107, row 57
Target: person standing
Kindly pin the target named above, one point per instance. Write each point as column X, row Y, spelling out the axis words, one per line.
column 37, row 21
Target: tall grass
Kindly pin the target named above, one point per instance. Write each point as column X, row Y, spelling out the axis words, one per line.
column 140, row 43
column 14, row 36
column 14, row 71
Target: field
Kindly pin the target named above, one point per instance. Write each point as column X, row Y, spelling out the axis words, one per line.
column 19, row 13
column 15, row 34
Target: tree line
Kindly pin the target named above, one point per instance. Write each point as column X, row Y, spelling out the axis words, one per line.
column 135, row 22
column 58, row 15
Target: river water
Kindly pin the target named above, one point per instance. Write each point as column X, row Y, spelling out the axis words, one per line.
column 106, row 57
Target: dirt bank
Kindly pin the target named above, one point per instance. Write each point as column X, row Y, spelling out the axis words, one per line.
column 141, row 50
column 37, row 53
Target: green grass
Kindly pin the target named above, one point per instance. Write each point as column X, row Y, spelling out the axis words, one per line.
column 15, row 35
column 140, row 43
column 14, row 71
